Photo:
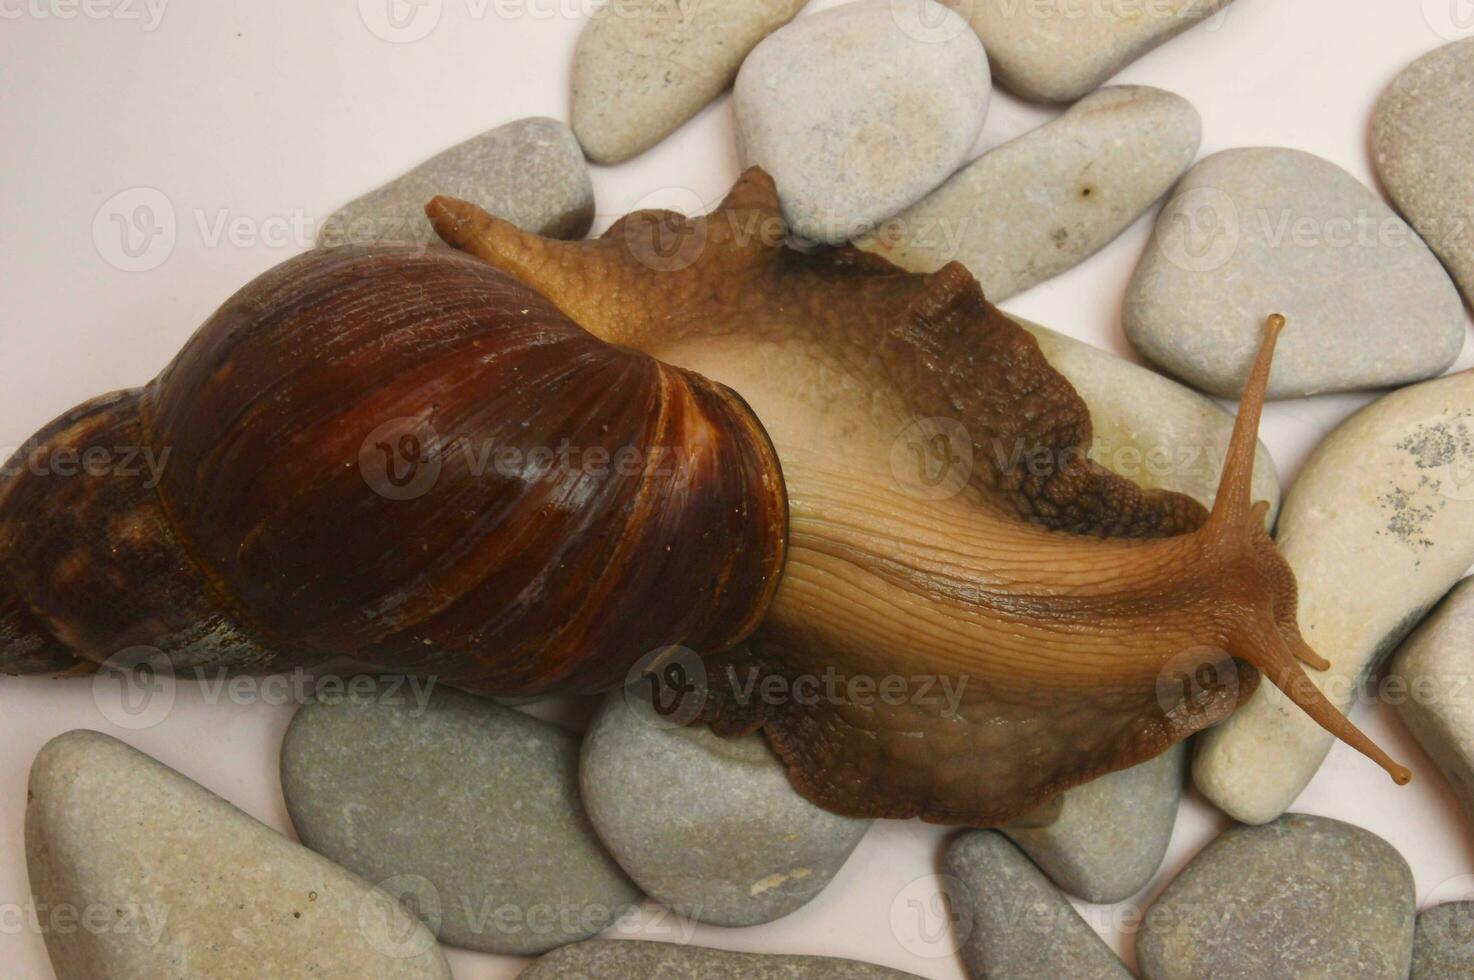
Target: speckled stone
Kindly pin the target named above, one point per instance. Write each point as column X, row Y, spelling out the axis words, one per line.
column 1111, row 834
column 599, row 960
column 1059, row 50
column 1443, row 944
column 644, row 67
column 1014, row 923
column 861, row 111
column 471, row 807
column 1423, row 146
column 1387, row 498
column 530, row 172
column 709, row 826
column 166, row 879
column 1436, row 698
column 1305, row 897
column 1150, row 428
column 1265, row 230
column 1050, row 199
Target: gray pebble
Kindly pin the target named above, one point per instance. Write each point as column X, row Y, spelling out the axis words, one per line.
column 1013, row 923
column 1050, row 199
column 708, row 826
column 861, row 111
column 468, row 809
column 1257, row 231
column 530, row 172
column 1112, row 833
column 605, row 960
column 644, row 67
column 1443, row 945
column 190, row 886
column 1303, row 897
column 1423, row 146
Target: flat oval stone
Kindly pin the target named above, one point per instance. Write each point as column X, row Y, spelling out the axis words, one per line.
column 1423, row 147
column 1443, row 944
column 1436, row 697
column 1304, row 897
column 184, row 884
column 861, row 111
column 1266, row 230
column 1111, row 834
column 1057, row 52
column 469, row 808
column 1388, row 497
column 1013, row 922
column 709, row 826
column 644, row 67
column 666, row 961
column 530, row 172
column 1052, row 198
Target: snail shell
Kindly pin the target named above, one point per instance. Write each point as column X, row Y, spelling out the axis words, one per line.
column 404, row 456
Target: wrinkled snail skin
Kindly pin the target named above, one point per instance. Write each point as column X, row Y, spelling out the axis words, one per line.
column 279, row 536
column 1068, row 606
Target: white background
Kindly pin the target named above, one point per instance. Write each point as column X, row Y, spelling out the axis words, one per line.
column 266, row 113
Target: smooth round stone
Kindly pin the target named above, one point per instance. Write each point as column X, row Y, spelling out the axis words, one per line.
column 1423, row 146
column 470, row 808
column 1443, row 944
column 184, row 884
column 1257, row 231
column 1050, row 199
column 709, row 826
column 1305, row 897
column 861, row 111
column 1150, row 428
column 530, row 172
column 1387, row 498
column 1057, row 52
column 1112, row 833
column 644, row 67
column 1013, row 923
column 1436, row 692
column 666, row 961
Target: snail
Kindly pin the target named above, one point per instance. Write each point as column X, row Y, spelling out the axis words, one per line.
column 336, row 487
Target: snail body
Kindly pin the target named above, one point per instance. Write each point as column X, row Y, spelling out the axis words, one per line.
column 1052, row 600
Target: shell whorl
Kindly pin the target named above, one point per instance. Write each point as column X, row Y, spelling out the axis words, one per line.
column 405, row 457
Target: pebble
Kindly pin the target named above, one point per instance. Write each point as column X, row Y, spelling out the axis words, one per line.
column 710, row 827
column 469, row 808
column 644, row 67
column 1112, row 833
column 1013, row 923
column 1057, row 52
column 666, row 961
column 1052, row 198
column 1304, row 897
column 1251, row 232
column 530, row 172
column 1388, row 497
column 1437, row 676
column 861, row 111
column 1443, row 944
column 1423, row 147
column 191, row 886
column 1150, row 428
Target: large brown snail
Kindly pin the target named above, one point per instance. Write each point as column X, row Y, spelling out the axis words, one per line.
column 371, row 455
